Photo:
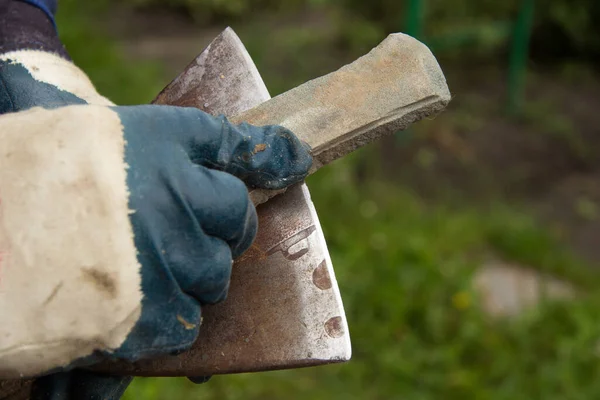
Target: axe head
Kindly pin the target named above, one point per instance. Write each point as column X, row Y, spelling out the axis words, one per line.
column 284, row 308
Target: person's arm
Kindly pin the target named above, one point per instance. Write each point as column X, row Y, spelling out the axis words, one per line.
column 28, row 37
column 116, row 223
column 29, row 24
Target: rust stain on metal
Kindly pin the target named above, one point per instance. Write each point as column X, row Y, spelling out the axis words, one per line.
column 334, row 327
column 321, row 277
column 203, row 83
column 259, row 147
column 254, row 252
column 187, row 325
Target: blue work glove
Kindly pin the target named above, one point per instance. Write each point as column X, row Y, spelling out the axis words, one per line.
column 191, row 214
column 186, row 174
column 187, row 180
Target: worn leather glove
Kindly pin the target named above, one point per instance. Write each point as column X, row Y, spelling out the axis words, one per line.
column 116, row 223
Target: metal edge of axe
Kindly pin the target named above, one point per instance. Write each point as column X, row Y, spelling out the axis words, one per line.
column 284, row 309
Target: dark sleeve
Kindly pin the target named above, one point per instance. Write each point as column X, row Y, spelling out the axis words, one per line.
column 47, row 6
column 29, row 25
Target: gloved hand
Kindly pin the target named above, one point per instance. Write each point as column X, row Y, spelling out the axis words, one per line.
column 148, row 197
column 125, row 220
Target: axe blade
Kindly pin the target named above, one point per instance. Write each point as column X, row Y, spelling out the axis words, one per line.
column 284, row 308
column 221, row 80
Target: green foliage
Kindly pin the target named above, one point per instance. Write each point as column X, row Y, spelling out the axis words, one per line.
column 480, row 24
column 123, row 81
column 211, row 10
column 578, row 21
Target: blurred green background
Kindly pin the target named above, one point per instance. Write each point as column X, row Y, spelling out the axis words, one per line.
column 508, row 177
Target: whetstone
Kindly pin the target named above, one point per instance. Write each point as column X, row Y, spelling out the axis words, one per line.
column 397, row 83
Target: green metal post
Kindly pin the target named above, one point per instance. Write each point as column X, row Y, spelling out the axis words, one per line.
column 414, row 18
column 413, row 26
column 519, row 55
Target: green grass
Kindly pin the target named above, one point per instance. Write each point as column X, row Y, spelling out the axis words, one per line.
column 123, row 80
column 404, row 268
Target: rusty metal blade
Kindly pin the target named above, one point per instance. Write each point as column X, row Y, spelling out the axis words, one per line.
column 221, row 80
column 284, row 308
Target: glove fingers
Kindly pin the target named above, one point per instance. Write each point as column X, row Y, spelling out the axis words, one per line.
column 223, row 224
column 269, row 157
column 207, row 219
column 222, row 206
column 201, row 267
